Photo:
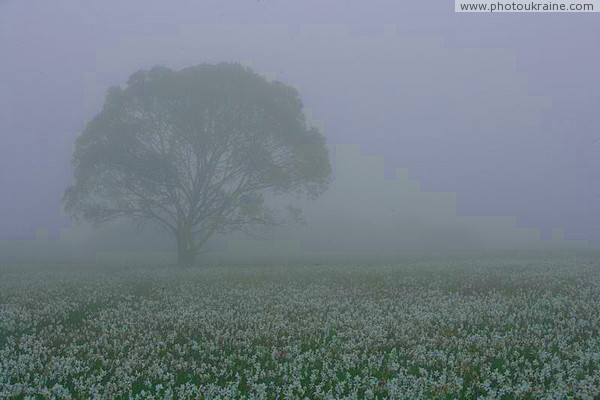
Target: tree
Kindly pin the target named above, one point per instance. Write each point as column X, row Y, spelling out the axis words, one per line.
column 196, row 150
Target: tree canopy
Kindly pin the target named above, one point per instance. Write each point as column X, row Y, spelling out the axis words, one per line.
column 196, row 150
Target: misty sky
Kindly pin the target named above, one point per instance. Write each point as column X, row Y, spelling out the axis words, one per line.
column 502, row 109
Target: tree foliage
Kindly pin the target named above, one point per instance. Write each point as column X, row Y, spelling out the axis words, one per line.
column 195, row 150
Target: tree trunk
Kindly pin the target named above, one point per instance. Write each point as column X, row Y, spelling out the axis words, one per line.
column 185, row 253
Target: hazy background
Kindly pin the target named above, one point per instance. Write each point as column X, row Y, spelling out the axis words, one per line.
column 492, row 120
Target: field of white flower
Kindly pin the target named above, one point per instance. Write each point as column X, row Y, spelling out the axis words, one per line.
column 494, row 328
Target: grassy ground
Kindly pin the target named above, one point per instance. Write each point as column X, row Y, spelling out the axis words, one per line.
column 466, row 328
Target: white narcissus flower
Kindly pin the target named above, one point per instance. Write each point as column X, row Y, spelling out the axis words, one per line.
column 406, row 331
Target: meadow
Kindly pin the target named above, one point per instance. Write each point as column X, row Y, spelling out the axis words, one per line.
column 493, row 328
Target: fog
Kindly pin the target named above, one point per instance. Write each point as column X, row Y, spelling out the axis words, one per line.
column 447, row 132
column 155, row 156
